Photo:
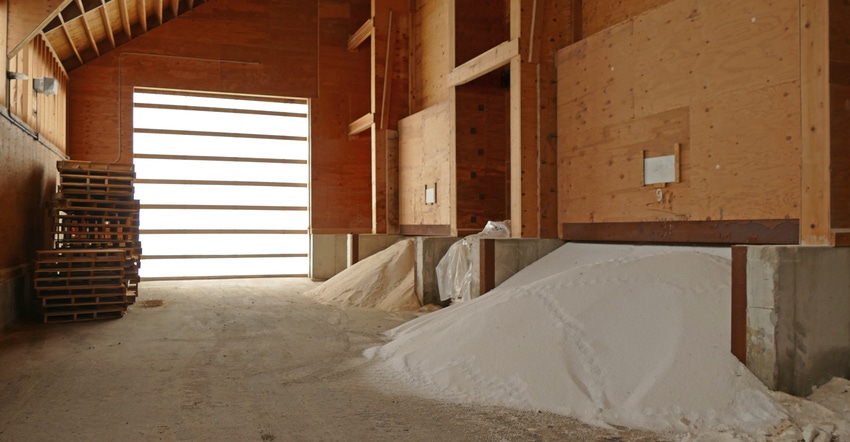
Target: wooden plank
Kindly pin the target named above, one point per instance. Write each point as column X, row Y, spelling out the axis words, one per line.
column 364, row 32
column 487, row 265
column 815, row 176
column 26, row 19
column 70, row 40
column 218, row 134
column 125, row 18
column 484, row 63
column 576, row 20
column 142, row 13
column 784, row 231
column 255, row 255
column 361, row 124
column 87, row 28
column 426, row 230
column 430, row 58
column 426, row 157
column 4, row 61
column 598, row 15
column 218, row 109
column 840, row 156
column 217, row 207
column 221, row 232
column 739, row 303
column 104, row 14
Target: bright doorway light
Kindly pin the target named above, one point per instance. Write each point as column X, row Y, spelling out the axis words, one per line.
column 223, row 184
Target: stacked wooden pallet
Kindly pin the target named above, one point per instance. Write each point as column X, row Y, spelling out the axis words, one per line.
column 94, row 215
column 79, row 285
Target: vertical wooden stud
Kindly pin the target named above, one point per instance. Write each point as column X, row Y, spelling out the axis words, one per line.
column 815, row 226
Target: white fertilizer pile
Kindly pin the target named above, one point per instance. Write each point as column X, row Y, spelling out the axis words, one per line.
column 608, row 334
column 384, row 281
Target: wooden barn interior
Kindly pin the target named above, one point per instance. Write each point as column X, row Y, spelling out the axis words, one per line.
column 429, row 118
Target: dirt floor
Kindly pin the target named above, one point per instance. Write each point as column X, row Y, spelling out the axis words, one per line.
column 238, row 360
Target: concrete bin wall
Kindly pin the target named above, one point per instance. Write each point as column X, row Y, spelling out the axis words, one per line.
column 798, row 316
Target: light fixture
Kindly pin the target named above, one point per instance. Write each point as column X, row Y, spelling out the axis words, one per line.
column 16, row 76
column 46, row 85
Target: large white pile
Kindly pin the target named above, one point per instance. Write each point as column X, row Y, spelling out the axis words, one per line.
column 609, row 334
column 384, row 281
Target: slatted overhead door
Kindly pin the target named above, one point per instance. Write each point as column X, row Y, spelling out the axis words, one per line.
column 222, row 182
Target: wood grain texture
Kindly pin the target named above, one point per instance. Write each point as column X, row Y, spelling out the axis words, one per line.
column 25, row 18
column 482, row 153
column 840, row 155
column 4, row 33
column 784, row 231
column 739, row 303
column 598, row 15
column 839, row 78
column 815, row 206
column 426, row 157
column 720, row 78
column 429, row 54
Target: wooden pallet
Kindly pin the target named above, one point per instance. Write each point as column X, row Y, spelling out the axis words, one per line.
column 93, row 271
column 76, row 314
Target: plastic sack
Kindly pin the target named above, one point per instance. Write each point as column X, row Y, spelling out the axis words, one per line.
column 454, row 271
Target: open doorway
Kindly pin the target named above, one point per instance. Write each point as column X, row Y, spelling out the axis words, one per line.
column 223, row 184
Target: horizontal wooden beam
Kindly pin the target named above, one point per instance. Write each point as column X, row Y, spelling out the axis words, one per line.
column 426, row 230
column 259, row 255
column 784, row 231
column 218, row 134
column 150, row 156
column 359, row 36
column 361, row 124
column 209, row 207
column 484, row 63
column 220, row 183
column 219, row 109
column 219, row 232
column 201, row 278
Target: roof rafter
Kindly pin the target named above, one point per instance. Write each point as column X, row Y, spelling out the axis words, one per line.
column 125, row 18
column 70, row 40
column 87, row 28
column 104, row 14
column 143, row 15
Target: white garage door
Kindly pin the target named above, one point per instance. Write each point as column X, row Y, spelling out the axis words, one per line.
column 222, row 182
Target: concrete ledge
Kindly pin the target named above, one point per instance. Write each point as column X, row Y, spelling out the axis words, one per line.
column 508, row 257
column 429, row 251
column 798, row 316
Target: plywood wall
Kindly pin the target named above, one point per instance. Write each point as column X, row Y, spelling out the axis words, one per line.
column 477, row 28
column 341, row 187
column 430, row 53
column 426, row 158
column 839, row 75
column 482, row 157
column 598, row 15
column 296, row 49
column 44, row 114
column 25, row 18
column 722, row 79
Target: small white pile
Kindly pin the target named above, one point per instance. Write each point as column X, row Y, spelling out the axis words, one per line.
column 384, row 281
column 609, row 334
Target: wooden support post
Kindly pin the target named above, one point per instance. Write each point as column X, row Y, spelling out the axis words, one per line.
column 4, row 6
column 815, row 228
column 487, row 265
column 739, row 303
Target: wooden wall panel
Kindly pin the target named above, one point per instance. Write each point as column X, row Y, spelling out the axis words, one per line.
column 4, row 33
column 426, row 158
column 722, row 79
column 251, row 47
column 478, row 28
column 430, row 54
column 43, row 114
column 598, row 15
column 26, row 17
column 482, row 153
column 839, row 77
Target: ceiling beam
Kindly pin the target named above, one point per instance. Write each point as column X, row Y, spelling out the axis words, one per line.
column 125, row 18
column 87, row 28
column 175, row 7
column 158, row 5
column 143, row 14
column 104, row 14
column 70, row 40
